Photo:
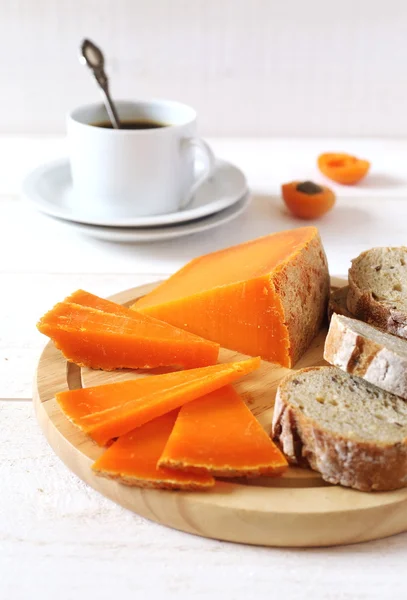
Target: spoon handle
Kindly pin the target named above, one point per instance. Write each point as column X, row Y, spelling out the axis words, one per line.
column 92, row 56
column 110, row 107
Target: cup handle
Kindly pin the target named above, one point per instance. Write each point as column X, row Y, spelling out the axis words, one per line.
column 201, row 146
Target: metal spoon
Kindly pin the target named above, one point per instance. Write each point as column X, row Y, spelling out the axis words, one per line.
column 92, row 56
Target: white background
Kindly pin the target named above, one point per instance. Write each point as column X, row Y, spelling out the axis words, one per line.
column 287, row 68
column 251, row 67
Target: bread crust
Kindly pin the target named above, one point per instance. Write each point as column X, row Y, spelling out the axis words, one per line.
column 303, row 287
column 365, row 307
column 358, row 355
column 363, row 466
column 337, row 302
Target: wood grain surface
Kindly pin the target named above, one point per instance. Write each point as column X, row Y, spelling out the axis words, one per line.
column 298, row 509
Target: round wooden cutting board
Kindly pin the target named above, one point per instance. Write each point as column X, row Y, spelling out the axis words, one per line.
column 297, row 509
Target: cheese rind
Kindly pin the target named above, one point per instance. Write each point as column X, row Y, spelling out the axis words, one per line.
column 218, row 434
column 266, row 297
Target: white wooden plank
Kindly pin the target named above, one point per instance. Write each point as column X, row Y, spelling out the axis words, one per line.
column 70, row 542
column 266, row 162
column 269, row 162
column 354, row 225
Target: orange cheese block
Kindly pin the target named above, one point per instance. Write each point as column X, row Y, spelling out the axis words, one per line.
column 265, row 297
column 132, row 460
column 108, row 411
column 218, row 434
column 114, row 340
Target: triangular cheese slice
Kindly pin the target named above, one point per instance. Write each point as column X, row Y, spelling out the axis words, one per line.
column 109, row 411
column 265, row 297
column 92, row 301
column 218, row 434
column 133, row 458
column 122, row 338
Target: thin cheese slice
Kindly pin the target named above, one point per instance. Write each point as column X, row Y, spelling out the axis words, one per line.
column 121, row 338
column 109, row 411
column 92, row 301
column 133, row 458
column 218, row 434
column 266, row 297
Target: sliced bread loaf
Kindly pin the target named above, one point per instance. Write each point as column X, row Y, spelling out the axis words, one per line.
column 337, row 302
column 378, row 289
column 350, row 431
column 363, row 350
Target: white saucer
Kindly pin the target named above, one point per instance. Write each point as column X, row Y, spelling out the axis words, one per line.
column 158, row 234
column 49, row 188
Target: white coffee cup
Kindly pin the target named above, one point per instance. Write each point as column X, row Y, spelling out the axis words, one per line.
column 121, row 173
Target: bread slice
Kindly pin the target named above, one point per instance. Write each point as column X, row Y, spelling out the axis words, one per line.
column 367, row 352
column 337, row 302
column 378, row 289
column 350, row 431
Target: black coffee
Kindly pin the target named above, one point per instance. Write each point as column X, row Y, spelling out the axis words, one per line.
column 131, row 124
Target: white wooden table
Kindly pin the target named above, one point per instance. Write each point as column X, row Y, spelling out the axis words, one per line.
column 59, row 537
